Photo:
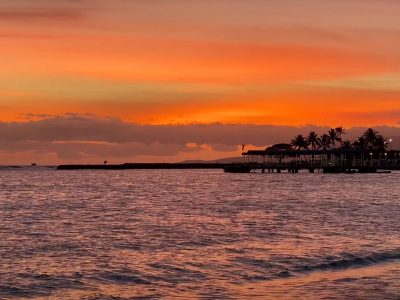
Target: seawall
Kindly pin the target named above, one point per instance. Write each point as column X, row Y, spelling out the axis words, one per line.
column 144, row 166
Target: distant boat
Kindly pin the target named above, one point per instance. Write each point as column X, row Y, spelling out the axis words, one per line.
column 237, row 168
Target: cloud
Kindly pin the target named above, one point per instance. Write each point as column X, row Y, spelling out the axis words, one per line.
column 90, row 151
column 39, row 14
column 88, row 128
column 88, row 138
column 41, row 10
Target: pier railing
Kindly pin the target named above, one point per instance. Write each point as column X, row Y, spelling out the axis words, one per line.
column 344, row 159
column 389, row 165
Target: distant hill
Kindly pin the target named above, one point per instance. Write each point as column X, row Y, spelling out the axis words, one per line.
column 226, row 160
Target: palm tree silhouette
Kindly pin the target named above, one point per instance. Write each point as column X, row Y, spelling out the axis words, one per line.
column 370, row 141
column 334, row 137
column 313, row 140
column 370, row 137
column 340, row 132
column 325, row 142
column 366, row 148
column 361, row 144
column 299, row 142
column 380, row 144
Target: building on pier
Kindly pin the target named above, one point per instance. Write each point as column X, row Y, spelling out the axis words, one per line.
column 328, row 161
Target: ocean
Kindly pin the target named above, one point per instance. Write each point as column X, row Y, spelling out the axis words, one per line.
column 198, row 234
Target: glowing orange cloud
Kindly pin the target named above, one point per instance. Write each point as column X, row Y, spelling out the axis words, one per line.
column 262, row 62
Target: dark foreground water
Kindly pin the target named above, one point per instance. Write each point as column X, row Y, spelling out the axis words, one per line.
column 198, row 234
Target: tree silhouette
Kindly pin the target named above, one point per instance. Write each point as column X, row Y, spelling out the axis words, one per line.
column 360, row 144
column 370, row 137
column 334, row 137
column 313, row 140
column 325, row 142
column 370, row 141
column 340, row 132
column 380, row 144
column 299, row 142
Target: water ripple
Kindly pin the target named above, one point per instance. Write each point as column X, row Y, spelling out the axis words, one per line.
column 197, row 234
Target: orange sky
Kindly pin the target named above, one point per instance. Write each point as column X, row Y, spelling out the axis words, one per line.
column 189, row 61
column 326, row 63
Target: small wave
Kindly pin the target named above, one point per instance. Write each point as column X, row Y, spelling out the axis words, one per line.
column 254, row 262
column 39, row 285
column 124, row 279
column 100, row 296
column 172, row 274
column 129, row 246
column 13, row 291
column 329, row 263
column 352, row 261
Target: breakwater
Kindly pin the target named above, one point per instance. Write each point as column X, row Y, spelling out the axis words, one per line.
column 145, row 166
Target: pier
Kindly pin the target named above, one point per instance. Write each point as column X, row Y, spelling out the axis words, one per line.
column 277, row 161
column 323, row 161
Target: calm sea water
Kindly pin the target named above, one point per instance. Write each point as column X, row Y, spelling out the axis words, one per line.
column 198, row 234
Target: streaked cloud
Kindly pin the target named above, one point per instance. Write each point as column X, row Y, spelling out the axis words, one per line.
column 40, row 10
column 384, row 82
column 28, row 15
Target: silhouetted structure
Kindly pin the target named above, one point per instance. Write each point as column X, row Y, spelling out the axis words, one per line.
column 328, row 154
column 327, row 161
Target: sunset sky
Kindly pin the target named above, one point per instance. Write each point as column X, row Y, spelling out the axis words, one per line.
column 205, row 73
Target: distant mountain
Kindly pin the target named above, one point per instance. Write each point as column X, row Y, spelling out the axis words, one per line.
column 395, row 144
column 226, row 160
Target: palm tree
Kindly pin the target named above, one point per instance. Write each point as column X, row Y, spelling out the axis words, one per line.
column 325, row 142
column 333, row 136
column 370, row 137
column 340, row 132
column 361, row 144
column 380, row 144
column 299, row 142
column 313, row 140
